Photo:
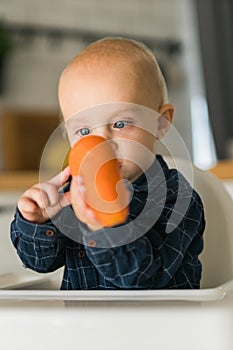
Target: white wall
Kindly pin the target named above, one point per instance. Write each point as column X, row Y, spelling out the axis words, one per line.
column 33, row 67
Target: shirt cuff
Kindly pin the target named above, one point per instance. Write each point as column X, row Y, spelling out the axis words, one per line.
column 44, row 232
column 106, row 237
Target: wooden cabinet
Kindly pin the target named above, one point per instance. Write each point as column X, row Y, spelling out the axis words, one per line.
column 23, row 136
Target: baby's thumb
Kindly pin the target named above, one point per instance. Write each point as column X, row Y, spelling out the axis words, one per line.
column 65, row 200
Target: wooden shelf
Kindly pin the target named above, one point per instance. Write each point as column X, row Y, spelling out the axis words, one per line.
column 21, row 180
column 18, row 180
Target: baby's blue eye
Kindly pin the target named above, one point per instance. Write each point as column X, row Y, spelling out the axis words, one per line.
column 84, row 131
column 119, row 125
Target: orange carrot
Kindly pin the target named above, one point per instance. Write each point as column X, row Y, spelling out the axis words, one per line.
column 93, row 158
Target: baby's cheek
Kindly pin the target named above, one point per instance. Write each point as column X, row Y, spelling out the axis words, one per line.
column 130, row 171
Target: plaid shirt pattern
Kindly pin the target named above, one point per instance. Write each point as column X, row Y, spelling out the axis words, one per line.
column 155, row 259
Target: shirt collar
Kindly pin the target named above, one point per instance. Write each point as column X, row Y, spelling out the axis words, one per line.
column 154, row 175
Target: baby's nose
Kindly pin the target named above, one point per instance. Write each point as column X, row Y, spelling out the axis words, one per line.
column 105, row 132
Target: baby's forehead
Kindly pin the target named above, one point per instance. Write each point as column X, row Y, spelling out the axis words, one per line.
column 108, row 111
column 141, row 74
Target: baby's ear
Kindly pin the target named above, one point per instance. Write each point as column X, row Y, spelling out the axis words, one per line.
column 165, row 119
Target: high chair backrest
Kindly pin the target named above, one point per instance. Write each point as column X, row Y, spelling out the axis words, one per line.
column 217, row 256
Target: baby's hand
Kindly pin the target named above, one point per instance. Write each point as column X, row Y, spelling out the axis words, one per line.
column 83, row 212
column 42, row 201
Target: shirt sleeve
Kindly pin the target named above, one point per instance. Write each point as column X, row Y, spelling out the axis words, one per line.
column 40, row 247
column 153, row 260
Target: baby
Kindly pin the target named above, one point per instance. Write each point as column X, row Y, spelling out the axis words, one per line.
column 120, row 80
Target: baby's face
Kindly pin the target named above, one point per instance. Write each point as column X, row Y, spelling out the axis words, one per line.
column 118, row 115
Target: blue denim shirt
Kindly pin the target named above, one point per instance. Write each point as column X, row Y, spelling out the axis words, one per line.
column 153, row 259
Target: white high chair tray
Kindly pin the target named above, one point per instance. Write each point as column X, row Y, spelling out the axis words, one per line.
column 7, row 292
column 58, row 320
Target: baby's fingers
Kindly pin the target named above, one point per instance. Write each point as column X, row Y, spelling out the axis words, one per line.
column 81, row 209
column 34, row 202
column 77, row 199
column 30, row 211
column 48, row 194
column 60, row 179
column 27, row 205
column 38, row 196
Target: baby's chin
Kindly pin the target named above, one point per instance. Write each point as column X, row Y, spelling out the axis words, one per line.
column 129, row 170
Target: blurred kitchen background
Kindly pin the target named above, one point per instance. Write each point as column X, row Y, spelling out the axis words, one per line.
column 192, row 40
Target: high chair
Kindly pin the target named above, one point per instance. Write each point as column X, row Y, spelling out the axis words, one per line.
column 217, row 256
column 152, row 319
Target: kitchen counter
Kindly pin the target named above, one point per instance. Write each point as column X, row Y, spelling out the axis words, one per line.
column 223, row 169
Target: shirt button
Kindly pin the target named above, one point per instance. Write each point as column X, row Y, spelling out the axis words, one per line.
column 91, row 243
column 81, row 253
column 49, row 233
